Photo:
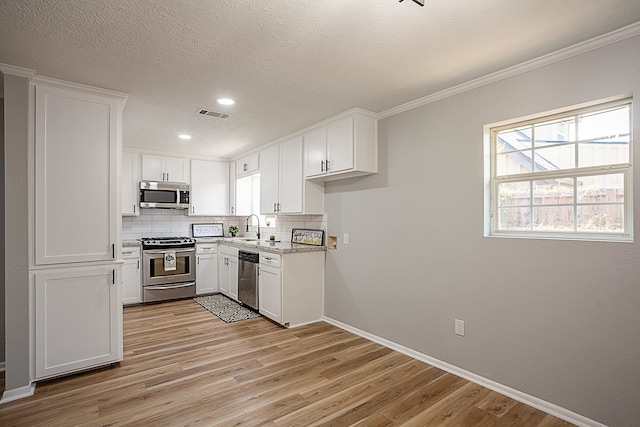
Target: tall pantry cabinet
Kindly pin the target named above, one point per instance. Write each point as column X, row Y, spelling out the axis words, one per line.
column 76, row 268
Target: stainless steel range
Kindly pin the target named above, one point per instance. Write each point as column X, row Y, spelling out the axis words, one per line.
column 168, row 268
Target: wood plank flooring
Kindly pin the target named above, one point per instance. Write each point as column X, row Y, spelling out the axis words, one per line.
column 184, row 367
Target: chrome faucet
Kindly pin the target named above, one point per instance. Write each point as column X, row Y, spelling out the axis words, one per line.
column 258, row 218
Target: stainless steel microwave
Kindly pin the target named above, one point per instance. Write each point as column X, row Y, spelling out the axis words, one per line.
column 164, row 195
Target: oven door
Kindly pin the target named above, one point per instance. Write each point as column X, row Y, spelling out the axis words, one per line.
column 154, row 273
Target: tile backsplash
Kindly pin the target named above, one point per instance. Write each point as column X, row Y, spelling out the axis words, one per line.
column 170, row 222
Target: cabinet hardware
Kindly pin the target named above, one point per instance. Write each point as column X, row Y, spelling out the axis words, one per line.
column 275, row 209
column 278, row 207
column 232, row 209
column 321, row 165
column 245, row 167
column 113, row 277
column 113, row 250
column 167, row 176
column 327, row 166
column 198, row 260
column 134, row 208
column 193, row 209
column 138, row 264
column 163, row 174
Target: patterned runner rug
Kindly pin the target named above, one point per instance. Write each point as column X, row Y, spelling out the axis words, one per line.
column 225, row 308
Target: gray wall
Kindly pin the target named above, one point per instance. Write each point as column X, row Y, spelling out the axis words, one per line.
column 558, row 320
column 16, row 106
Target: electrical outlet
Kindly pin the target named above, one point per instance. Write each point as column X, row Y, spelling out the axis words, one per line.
column 345, row 238
column 459, row 328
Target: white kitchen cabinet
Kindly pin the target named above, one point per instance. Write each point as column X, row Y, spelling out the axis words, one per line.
column 130, row 183
column 131, row 275
column 270, row 289
column 248, row 165
column 206, row 268
column 228, row 271
column 76, row 175
column 76, row 276
column 165, row 168
column 209, row 194
column 343, row 148
column 291, row 287
column 232, row 188
column 78, row 319
column 283, row 189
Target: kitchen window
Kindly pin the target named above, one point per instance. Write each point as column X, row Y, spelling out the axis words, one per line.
column 563, row 176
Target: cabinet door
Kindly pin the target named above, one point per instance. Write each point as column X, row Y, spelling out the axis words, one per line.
column 153, row 167
column 206, row 274
column 223, row 271
column 291, row 178
column 131, row 281
column 79, row 319
column 270, row 294
column 315, row 152
column 176, row 169
column 209, row 188
column 76, row 176
column 232, row 188
column 130, row 183
column 233, row 277
column 248, row 165
column 269, row 187
column 340, row 145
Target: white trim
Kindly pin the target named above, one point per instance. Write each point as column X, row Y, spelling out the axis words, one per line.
column 18, row 393
column 527, row 399
column 559, row 55
column 17, row 71
column 49, row 81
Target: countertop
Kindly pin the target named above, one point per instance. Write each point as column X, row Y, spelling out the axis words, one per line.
column 262, row 245
column 242, row 243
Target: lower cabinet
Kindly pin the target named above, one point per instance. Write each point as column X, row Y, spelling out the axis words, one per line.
column 228, row 271
column 78, row 319
column 292, row 287
column 131, row 276
column 206, row 268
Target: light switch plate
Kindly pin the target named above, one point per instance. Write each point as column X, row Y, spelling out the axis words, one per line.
column 459, row 328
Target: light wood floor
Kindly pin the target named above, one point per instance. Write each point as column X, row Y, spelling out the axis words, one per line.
column 183, row 366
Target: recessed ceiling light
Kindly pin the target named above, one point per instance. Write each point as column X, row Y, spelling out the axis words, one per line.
column 226, row 101
column 184, row 136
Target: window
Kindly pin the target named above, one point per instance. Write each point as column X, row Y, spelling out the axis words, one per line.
column 565, row 176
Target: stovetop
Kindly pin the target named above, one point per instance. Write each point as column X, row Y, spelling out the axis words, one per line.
column 167, row 242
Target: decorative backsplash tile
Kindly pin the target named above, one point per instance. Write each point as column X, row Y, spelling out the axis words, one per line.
column 170, row 222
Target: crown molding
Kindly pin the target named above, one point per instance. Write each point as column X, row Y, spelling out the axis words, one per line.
column 17, row 71
column 559, row 55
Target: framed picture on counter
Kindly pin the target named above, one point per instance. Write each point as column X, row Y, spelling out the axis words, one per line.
column 305, row 236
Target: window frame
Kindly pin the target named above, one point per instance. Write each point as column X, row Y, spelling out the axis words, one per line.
column 493, row 181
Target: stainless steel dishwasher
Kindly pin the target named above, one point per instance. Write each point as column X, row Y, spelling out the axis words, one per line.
column 248, row 278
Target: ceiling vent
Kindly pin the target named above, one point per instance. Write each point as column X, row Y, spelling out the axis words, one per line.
column 211, row 113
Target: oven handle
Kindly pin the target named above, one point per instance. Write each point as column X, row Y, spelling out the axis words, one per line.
column 163, row 288
column 161, row 251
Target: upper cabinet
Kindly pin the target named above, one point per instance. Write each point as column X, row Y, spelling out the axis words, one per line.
column 130, row 183
column 283, row 189
column 164, row 168
column 209, row 188
column 343, row 148
column 248, row 165
column 77, row 138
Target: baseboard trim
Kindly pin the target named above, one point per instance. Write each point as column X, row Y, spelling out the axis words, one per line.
column 18, row 393
column 527, row 399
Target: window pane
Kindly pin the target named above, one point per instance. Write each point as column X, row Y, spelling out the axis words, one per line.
column 555, row 158
column 554, row 132
column 514, row 163
column 553, row 218
column 601, row 218
column 602, row 152
column 513, row 140
column 514, row 194
column 553, row 191
column 514, row 219
column 605, row 125
column 601, row 188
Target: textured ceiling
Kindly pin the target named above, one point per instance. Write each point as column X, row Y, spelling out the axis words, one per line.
column 288, row 64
